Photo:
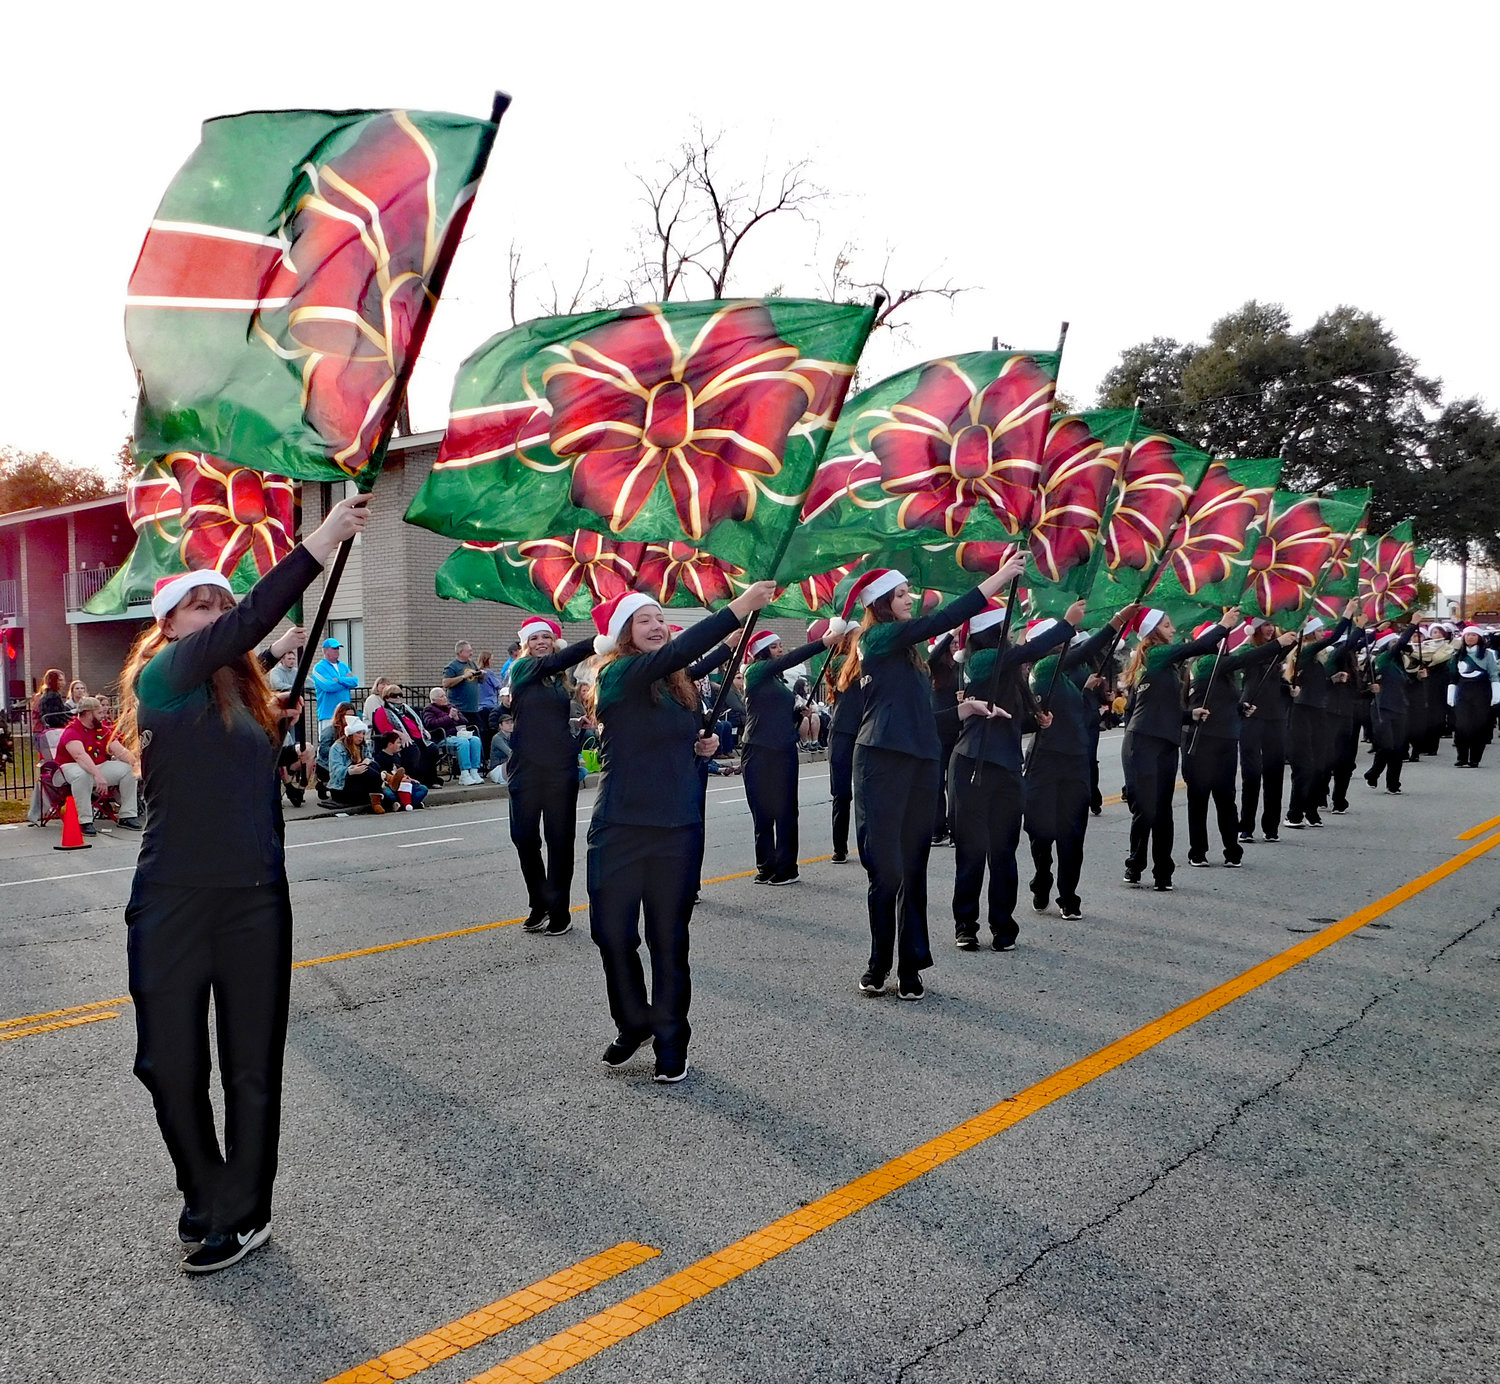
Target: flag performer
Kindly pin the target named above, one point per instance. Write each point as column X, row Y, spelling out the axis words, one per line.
column 1392, row 685
column 769, row 756
column 1212, row 752
column 848, row 713
column 1310, row 727
column 209, row 911
column 542, row 771
column 1057, row 781
column 1473, row 692
column 985, row 776
column 1344, row 708
column 645, row 841
column 1154, row 719
column 1266, row 705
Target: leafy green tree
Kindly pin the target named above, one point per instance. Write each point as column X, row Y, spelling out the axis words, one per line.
column 1458, row 500
column 29, row 479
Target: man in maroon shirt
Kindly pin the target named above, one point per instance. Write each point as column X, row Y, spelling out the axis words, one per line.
column 92, row 760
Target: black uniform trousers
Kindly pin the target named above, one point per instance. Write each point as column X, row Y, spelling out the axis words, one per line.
column 545, row 806
column 986, row 832
column 1058, row 798
column 771, row 790
column 184, row 945
column 1096, row 800
column 1471, row 720
column 1388, row 730
column 1150, row 781
column 1345, row 728
column 651, row 871
column 841, row 787
column 942, row 822
column 1309, row 732
column 1262, row 771
column 1209, row 774
column 895, row 796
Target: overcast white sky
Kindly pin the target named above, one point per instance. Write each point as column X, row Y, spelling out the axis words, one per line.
column 1138, row 170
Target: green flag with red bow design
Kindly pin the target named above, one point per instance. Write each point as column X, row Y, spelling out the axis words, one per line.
column 947, row 450
column 1388, row 573
column 1298, row 546
column 286, row 282
column 675, row 423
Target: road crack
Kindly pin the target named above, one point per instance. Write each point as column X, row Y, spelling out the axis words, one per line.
column 1018, row 1279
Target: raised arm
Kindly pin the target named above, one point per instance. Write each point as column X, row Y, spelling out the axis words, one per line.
column 558, row 661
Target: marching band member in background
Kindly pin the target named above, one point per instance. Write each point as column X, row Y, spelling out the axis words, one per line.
column 1472, row 692
column 1388, row 723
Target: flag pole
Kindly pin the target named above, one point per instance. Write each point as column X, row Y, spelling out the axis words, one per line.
column 783, row 543
column 394, row 408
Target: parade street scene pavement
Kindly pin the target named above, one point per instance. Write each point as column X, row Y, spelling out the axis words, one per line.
column 1244, row 1130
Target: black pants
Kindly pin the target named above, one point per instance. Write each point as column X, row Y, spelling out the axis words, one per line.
column 841, row 787
column 1309, row 750
column 1096, row 802
column 1262, row 769
column 359, row 786
column 942, row 821
column 1471, row 720
column 894, row 800
column 1345, row 728
column 1058, row 796
column 1388, row 729
column 545, row 805
column 771, row 791
column 986, row 833
column 1151, row 781
column 184, row 945
column 1209, row 774
column 633, row 872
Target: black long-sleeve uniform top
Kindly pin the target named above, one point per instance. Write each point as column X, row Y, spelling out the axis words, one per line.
column 542, row 744
column 1392, row 677
column 215, row 801
column 1002, row 743
column 945, row 681
column 898, row 693
column 1313, row 687
column 646, row 742
column 1224, row 695
column 1156, row 700
column 1066, row 740
column 1344, row 697
column 848, row 707
column 770, row 707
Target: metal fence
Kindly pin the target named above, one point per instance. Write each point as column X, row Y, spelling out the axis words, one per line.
column 18, row 750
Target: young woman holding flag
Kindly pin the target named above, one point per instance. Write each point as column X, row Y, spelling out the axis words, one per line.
column 896, row 760
column 646, row 836
column 848, row 711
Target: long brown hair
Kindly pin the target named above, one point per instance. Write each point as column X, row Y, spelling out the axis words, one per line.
column 1137, row 664
column 848, row 655
column 878, row 612
column 51, row 682
column 241, row 683
column 678, row 684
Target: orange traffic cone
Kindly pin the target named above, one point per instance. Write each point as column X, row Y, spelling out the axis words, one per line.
column 72, row 832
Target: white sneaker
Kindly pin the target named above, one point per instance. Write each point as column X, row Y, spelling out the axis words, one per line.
column 497, row 774
column 470, row 776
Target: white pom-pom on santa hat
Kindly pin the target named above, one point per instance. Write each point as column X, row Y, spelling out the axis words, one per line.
column 539, row 624
column 169, row 592
column 611, row 618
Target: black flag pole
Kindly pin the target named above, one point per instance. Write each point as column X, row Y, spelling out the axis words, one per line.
column 394, row 408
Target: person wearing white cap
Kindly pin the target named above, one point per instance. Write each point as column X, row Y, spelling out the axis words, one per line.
column 646, row 836
column 209, row 912
column 1154, row 717
column 354, row 778
column 769, row 753
column 896, row 757
column 1388, row 724
column 985, row 774
column 542, row 771
column 1310, row 727
column 1473, row 692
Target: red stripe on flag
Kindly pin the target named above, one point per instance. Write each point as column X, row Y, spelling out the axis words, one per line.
column 185, row 264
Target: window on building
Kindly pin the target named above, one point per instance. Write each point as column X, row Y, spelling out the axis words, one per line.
column 333, row 492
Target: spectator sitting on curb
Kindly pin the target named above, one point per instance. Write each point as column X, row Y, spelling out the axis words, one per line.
column 494, row 766
column 326, row 737
column 92, row 760
column 295, row 763
column 418, row 753
column 447, row 725
column 332, row 679
column 353, row 777
column 387, row 757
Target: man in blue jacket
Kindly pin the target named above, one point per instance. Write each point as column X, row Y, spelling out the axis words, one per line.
column 334, row 681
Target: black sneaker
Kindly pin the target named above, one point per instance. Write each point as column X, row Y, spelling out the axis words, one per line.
column 1272, row 836
column 784, row 879
column 1039, row 903
column 1295, row 826
column 838, row 857
column 964, row 942
column 1392, row 791
column 1372, row 782
column 1198, row 864
column 871, row 984
column 618, row 1053
column 129, row 823
column 536, row 921
column 1338, row 811
column 1246, row 837
column 1096, row 811
column 761, row 877
column 1314, row 821
column 1233, row 864
column 1072, row 914
column 1163, row 888
column 1132, row 876
column 910, row 988
column 997, row 945
column 558, row 926
column 669, row 1070
column 190, row 1230
column 220, row 1251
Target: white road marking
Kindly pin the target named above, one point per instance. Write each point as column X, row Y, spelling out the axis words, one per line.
column 436, row 841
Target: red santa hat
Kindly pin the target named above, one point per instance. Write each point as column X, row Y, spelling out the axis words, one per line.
column 819, row 628
column 1313, row 625
column 1035, row 629
column 1146, row 619
column 760, row 642
column 169, row 592
column 538, row 624
column 611, row 618
column 1200, row 630
column 877, row 582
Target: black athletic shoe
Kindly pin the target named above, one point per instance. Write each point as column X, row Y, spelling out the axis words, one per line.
column 558, row 926
column 1272, row 836
column 669, row 1070
column 1072, row 915
column 997, row 945
column 1393, row 791
column 1163, row 888
column 964, row 942
column 1339, row 811
column 910, row 989
column 190, row 1230
column 943, row 840
column 220, row 1251
column 1233, row 864
column 1373, row 782
column 1246, row 837
column 871, row 984
column 1039, row 902
column 838, row 858
column 1295, row 826
column 536, row 921
column 134, row 823
column 1198, row 864
column 761, row 877
column 784, row 879
column 1314, row 821
column 1132, row 876
column 89, row 829
column 618, row 1053
column 1096, row 811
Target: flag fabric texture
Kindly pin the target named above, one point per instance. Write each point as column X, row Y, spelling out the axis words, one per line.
column 286, row 280
column 1298, row 545
column 1388, row 572
column 696, row 423
column 950, row 449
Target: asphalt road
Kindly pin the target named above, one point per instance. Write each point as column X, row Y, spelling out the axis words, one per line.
column 1295, row 1181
